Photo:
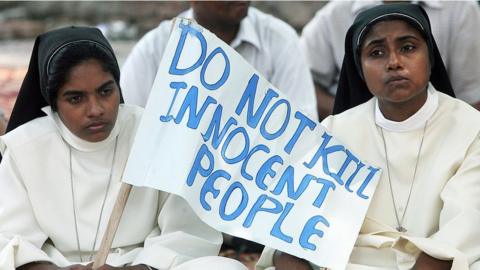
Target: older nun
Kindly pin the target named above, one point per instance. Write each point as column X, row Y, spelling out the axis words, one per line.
column 395, row 108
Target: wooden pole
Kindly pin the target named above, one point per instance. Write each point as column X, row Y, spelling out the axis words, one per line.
column 122, row 197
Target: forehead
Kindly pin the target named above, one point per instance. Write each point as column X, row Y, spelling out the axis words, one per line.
column 392, row 29
column 86, row 75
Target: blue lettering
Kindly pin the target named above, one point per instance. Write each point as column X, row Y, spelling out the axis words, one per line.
column 287, row 179
column 365, row 183
column 190, row 103
column 323, row 152
column 258, row 207
column 208, row 187
column 215, row 128
column 304, row 122
column 257, row 148
column 327, row 185
column 265, row 170
column 246, row 145
column 226, row 70
column 279, row 132
column 197, row 165
column 350, row 179
column 226, row 197
column 310, row 229
column 187, row 29
column 249, row 95
column 276, row 229
column 176, row 86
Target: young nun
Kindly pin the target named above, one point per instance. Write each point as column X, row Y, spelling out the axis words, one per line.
column 63, row 157
column 395, row 109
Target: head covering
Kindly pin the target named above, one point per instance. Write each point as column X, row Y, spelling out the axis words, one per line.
column 352, row 89
column 49, row 47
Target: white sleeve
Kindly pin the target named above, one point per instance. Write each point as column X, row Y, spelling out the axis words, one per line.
column 21, row 238
column 458, row 235
column 182, row 237
column 464, row 50
column 292, row 76
column 315, row 42
column 139, row 70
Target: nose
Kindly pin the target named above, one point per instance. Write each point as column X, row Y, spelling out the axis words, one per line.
column 394, row 62
column 95, row 108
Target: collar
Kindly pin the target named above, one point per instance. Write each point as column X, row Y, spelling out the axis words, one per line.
column 361, row 5
column 415, row 121
column 246, row 32
column 78, row 143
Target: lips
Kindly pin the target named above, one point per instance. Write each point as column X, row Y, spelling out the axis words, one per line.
column 395, row 79
column 97, row 126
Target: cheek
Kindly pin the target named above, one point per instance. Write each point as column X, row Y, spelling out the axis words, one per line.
column 371, row 75
column 71, row 117
column 422, row 70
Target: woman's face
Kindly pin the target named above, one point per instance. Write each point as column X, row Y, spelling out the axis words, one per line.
column 88, row 102
column 395, row 64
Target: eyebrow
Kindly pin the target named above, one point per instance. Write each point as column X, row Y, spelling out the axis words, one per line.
column 382, row 40
column 80, row 92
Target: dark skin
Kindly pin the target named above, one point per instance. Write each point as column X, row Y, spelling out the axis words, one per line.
column 220, row 17
column 396, row 68
column 50, row 266
column 325, row 102
column 285, row 261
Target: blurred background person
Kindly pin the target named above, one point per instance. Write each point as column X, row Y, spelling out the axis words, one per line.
column 455, row 26
column 267, row 43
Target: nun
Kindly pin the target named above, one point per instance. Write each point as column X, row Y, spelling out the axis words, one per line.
column 64, row 153
column 395, row 108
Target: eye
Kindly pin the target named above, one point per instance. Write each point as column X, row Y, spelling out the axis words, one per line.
column 407, row 48
column 76, row 99
column 105, row 92
column 376, row 53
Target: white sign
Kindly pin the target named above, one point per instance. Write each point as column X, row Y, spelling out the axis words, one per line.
column 248, row 162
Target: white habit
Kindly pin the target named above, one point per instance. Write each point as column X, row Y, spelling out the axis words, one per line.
column 37, row 199
column 443, row 216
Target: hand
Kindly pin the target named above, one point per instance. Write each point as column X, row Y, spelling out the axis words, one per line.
column 51, row 266
column 325, row 102
column 284, row 261
column 426, row 262
column 132, row 267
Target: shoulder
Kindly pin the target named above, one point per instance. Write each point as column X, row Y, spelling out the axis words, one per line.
column 357, row 121
column 458, row 113
column 336, row 7
column 155, row 38
column 358, row 114
column 37, row 130
column 271, row 27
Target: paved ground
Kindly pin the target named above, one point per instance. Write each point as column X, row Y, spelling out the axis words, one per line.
column 14, row 59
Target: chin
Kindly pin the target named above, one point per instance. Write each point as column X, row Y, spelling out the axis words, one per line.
column 96, row 137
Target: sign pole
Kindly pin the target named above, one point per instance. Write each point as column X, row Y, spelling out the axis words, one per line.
column 122, row 197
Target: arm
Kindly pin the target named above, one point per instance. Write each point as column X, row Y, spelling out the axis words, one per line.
column 325, row 102
column 426, row 262
column 140, row 68
column 291, row 74
column 463, row 67
column 456, row 241
column 21, row 238
column 317, row 44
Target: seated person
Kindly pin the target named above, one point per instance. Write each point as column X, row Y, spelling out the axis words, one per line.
column 54, row 209
column 395, row 94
